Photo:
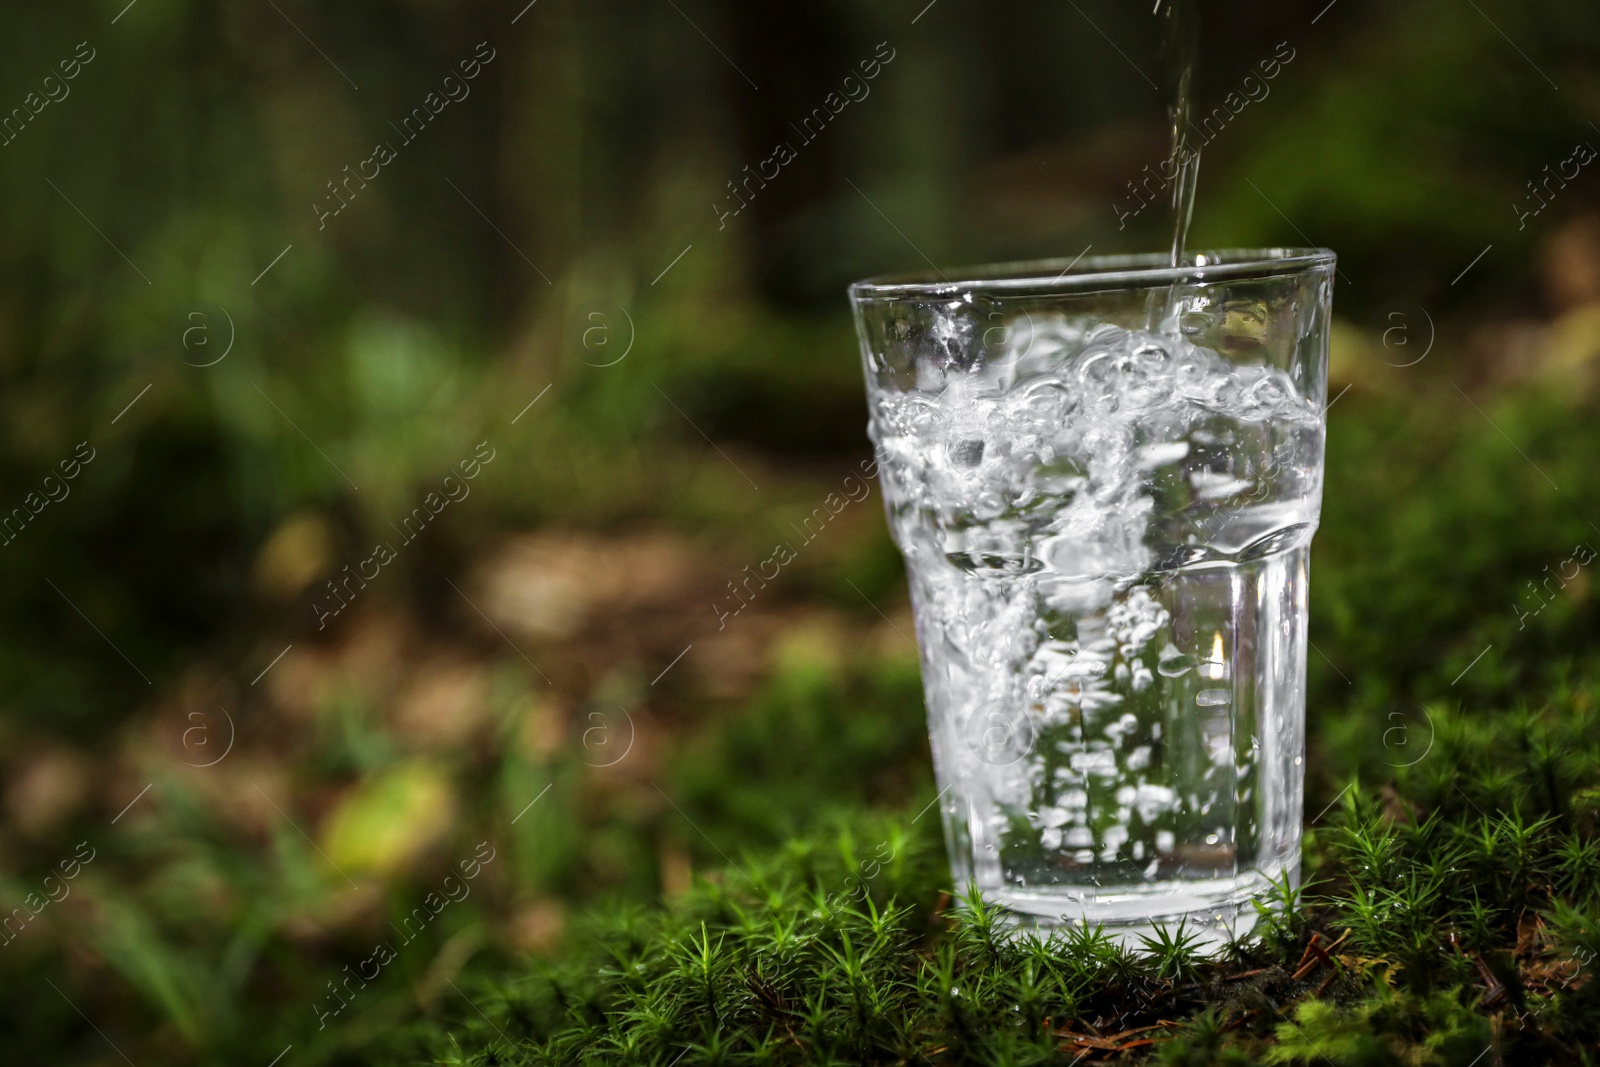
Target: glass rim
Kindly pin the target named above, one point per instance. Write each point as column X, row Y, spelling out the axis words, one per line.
column 1122, row 271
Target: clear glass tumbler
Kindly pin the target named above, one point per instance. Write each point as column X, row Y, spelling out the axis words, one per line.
column 1105, row 480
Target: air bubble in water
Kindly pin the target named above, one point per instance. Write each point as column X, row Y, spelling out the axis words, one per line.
column 966, row 453
column 1174, row 664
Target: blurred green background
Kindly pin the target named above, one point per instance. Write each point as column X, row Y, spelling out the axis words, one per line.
column 543, row 273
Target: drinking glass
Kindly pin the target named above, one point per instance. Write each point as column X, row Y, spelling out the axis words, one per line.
column 1104, row 477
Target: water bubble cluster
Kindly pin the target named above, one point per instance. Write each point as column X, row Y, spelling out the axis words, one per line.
column 1052, row 501
column 1063, row 463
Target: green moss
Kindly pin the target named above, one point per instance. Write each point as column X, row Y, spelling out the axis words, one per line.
column 1452, row 920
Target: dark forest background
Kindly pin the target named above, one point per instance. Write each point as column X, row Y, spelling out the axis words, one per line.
column 267, row 396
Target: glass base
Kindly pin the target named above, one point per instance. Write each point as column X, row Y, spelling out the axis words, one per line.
column 1212, row 911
